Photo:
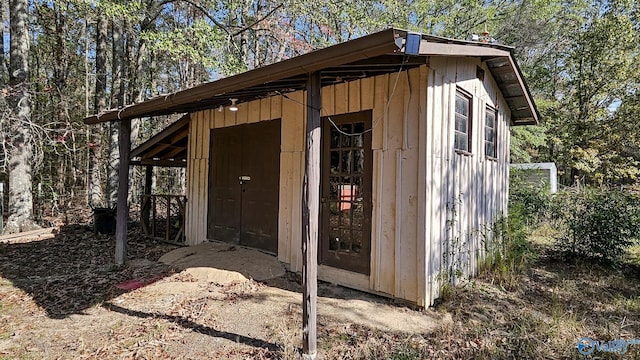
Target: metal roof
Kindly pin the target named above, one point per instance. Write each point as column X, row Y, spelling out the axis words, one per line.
column 371, row 55
column 167, row 148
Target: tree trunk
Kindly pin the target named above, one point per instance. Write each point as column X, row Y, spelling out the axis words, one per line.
column 3, row 60
column 21, row 147
column 96, row 193
column 117, row 101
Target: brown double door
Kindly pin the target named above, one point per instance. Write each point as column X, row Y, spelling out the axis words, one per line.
column 244, row 185
column 346, row 192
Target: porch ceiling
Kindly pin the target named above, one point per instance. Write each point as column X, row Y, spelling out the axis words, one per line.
column 167, row 148
column 371, row 55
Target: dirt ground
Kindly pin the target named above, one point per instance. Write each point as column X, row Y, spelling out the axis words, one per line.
column 61, row 298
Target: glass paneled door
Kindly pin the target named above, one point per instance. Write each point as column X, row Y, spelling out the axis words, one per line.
column 346, row 192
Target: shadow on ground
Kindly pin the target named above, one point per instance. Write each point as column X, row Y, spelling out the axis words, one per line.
column 75, row 270
column 198, row 328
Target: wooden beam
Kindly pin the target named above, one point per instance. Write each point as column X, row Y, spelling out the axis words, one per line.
column 377, row 44
column 175, row 151
column 429, row 48
column 146, row 208
column 156, row 149
column 161, row 162
column 38, row 234
column 311, row 218
column 123, row 191
column 162, row 135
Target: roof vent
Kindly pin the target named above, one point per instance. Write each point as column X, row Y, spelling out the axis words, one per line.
column 484, row 38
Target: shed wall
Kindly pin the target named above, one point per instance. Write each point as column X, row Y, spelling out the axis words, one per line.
column 467, row 192
column 417, row 177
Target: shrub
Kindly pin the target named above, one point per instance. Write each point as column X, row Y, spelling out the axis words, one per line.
column 597, row 223
column 508, row 251
column 530, row 202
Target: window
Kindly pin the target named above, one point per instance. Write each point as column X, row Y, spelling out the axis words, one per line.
column 490, row 132
column 463, row 122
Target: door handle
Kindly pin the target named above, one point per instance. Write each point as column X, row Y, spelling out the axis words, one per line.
column 244, row 178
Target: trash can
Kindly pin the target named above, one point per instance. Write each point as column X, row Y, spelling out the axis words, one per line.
column 104, row 221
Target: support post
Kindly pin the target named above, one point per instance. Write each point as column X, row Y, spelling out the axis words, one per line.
column 311, row 218
column 146, row 201
column 1, row 208
column 124, row 140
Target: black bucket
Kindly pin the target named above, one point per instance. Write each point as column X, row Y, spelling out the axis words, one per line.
column 104, row 221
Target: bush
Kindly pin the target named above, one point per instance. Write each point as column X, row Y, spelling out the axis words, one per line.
column 530, row 202
column 509, row 251
column 596, row 223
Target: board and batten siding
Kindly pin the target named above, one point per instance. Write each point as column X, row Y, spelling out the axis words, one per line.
column 472, row 189
column 415, row 173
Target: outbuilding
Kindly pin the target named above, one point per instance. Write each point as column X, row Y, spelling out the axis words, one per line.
column 414, row 157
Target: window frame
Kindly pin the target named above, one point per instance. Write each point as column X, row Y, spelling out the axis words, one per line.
column 490, row 109
column 469, row 133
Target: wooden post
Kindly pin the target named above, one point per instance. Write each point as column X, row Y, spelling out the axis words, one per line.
column 310, row 218
column 146, row 200
column 1, row 208
column 123, row 191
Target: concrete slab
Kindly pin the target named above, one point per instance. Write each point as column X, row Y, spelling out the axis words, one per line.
column 224, row 263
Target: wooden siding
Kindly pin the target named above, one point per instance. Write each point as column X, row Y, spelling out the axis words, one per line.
column 417, row 177
column 472, row 191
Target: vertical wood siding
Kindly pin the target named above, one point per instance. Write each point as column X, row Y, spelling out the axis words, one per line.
column 417, row 177
column 472, row 190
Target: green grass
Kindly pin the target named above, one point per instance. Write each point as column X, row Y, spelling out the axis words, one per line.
column 633, row 254
column 547, row 307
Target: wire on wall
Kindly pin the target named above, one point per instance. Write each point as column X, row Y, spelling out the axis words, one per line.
column 375, row 122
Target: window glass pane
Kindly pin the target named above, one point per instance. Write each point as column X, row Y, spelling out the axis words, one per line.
column 461, row 141
column 346, row 162
column 491, row 118
column 345, row 240
column 490, row 132
column 462, row 105
column 335, row 162
column 489, row 149
column 356, row 241
column 346, row 139
column 358, row 140
column 358, row 161
column 334, row 239
column 461, row 123
column 335, row 138
column 334, row 188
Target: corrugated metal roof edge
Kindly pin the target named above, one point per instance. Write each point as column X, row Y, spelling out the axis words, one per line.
column 528, row 96
column 376, row 44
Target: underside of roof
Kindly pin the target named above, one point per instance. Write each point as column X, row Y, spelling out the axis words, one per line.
column 167, row 148
column 375, row 54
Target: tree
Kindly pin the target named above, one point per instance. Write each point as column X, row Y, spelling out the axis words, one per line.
column 21, row 147
column 96, row 193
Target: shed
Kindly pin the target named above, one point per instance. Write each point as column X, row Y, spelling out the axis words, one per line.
column 414, row 157
column 537, row 174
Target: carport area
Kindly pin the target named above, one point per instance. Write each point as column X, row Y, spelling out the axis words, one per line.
column 162, row 216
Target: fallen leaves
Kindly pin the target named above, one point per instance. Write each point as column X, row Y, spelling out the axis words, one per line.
column 74, row 270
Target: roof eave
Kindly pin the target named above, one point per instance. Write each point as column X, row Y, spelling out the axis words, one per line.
column 365, row 47
column 534, row 119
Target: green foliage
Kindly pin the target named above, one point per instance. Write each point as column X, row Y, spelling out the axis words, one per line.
column 526, row 142
column 530, row 202
column 598, row 224
column 507, row 249
column 405, row 352
column 198, row 42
